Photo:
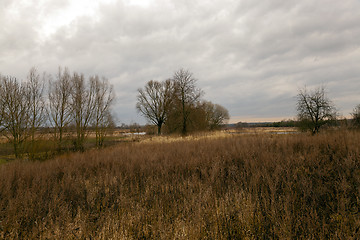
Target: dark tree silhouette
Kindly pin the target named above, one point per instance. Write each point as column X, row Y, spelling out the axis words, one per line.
column 186, row 95
column 59, row 104
column 154, row 101
column 315, row 109
column 15, row 112
column 356, row 116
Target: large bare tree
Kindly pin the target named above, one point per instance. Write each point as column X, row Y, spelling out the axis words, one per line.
column 102, row 119
column 83, row 105
column 315, row 109
column 15, row 114
column 154, row 101
column 186, row 95
column 59, row 105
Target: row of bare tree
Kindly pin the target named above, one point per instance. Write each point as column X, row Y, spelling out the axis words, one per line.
column 176, row 103
column 69, row 102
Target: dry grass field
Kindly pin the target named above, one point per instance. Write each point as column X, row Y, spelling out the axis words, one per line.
column 46, row 147
column 250, row 186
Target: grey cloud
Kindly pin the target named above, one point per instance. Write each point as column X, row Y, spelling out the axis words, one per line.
column 249, row 56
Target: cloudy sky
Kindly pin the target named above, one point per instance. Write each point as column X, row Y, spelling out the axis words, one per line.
column 249, row 56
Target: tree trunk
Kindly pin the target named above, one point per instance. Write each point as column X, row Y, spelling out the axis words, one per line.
column 159, row 128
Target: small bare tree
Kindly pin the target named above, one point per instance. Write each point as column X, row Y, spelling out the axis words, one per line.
column 83, row 105
column 356, row 116
column 36, row 105
column 315, row 109
column 103, row 99
column 154, row 101
column 59, row 105
column 15, row 116
column 186, row 95
column 216, row 115
column 1, row 104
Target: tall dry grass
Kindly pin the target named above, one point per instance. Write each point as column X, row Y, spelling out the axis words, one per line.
column 236, row 187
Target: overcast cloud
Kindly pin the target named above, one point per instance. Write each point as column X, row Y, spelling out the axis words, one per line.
column 249, row 56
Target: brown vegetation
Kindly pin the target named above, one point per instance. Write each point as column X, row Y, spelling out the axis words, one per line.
column 249, row 186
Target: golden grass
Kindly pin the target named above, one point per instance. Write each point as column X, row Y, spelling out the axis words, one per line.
column 258, row 130
column 179, row 138
column 257, row 186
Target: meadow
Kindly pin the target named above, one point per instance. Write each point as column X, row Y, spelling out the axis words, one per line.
column 231, row 186
column 46, row 147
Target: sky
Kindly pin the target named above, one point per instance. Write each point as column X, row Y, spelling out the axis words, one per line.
column 251, row 57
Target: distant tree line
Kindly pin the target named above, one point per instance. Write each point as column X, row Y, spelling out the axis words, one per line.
column 68, row 104
column 177, row 105
column 283, row 123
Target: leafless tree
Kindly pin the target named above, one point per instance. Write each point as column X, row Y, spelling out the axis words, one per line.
column 315, row 109
column 104, row 96
column 59, row 105
column 186, row 95
column 1, row 104
column 36, row 105
column 154, row 101
column 15, row 116
column 216, row 115
column 83, row 99
column 356, row 116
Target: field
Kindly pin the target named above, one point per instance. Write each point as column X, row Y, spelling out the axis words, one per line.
column 46, row 147
column 228, row 186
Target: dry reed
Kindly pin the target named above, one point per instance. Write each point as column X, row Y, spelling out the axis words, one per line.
column 236, row 187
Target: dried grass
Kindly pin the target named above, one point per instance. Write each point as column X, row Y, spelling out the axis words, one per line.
column 228, row 187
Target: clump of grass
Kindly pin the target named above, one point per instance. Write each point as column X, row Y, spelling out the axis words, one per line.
column 235, row 187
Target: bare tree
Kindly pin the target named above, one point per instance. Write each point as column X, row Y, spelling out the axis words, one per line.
column 1, row 104
column 36, row 105
column 216, row 115
column 106, row 126
column 15, row 116
column 83, row 98
column 186, row 95
column 356, row 116
column 103, row 99
column 154, row 101
column 315, row 109
column 59, row 105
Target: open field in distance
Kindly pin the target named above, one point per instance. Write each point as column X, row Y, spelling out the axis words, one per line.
column 233, row 186
column 46, row 147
